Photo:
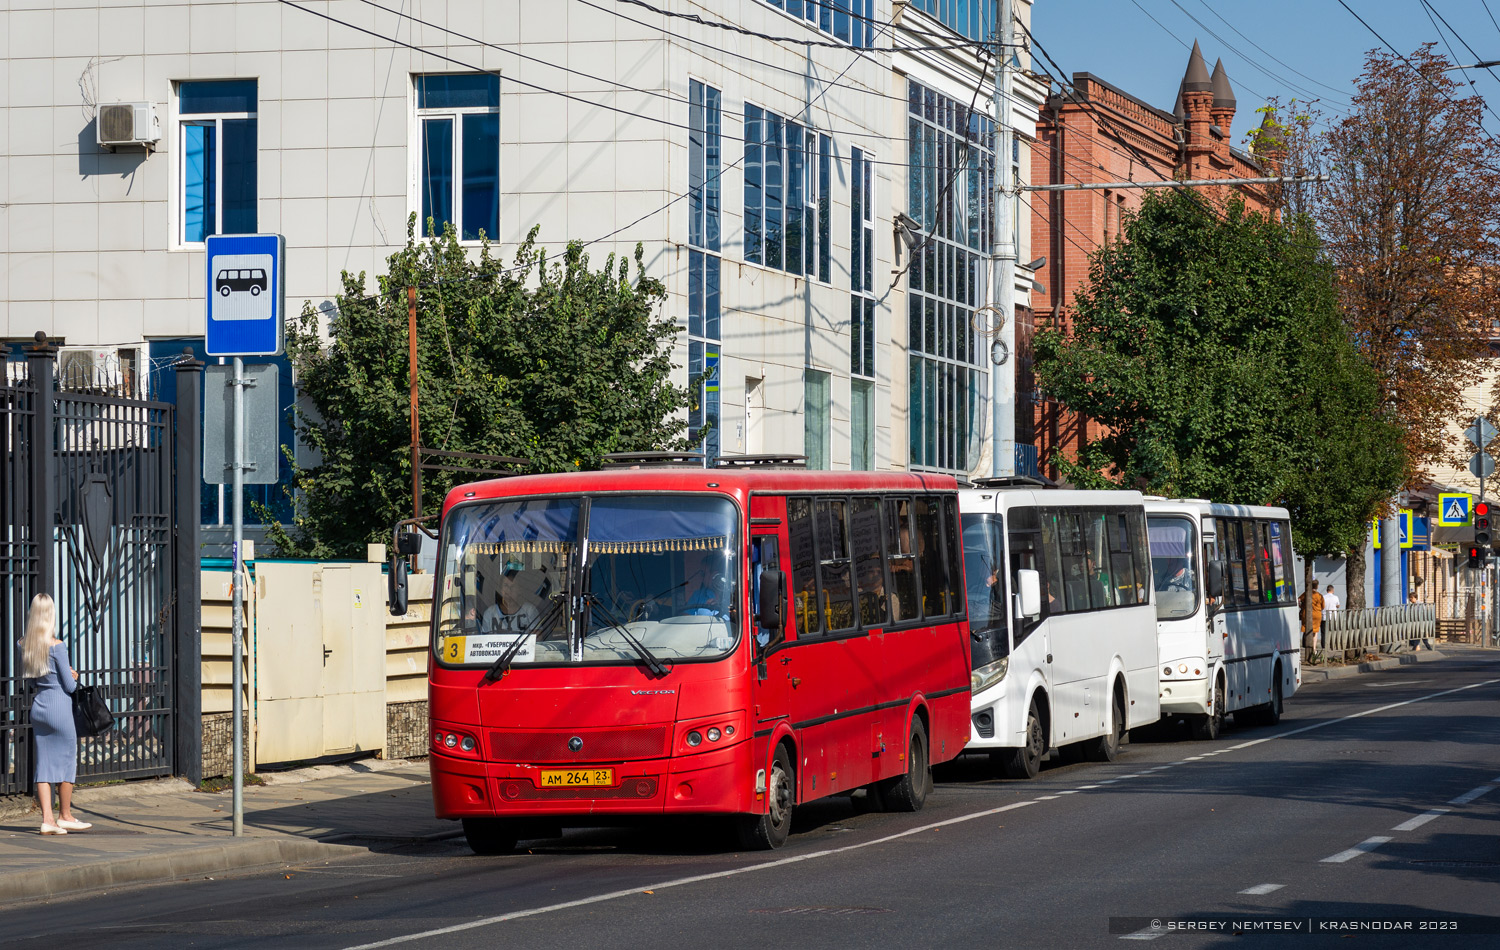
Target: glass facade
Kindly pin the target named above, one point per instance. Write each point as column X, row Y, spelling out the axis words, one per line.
column 973, row 18
column 852, row 21
column 705, row 118
column 786, row 194
column 949, row 196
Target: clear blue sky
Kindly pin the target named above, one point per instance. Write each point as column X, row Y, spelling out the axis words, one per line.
column 1118, row 41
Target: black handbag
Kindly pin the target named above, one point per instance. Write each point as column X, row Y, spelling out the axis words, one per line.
column 91, row 715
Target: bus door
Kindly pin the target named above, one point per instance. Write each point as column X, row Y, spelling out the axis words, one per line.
column 1217, row 633
column 772, row 673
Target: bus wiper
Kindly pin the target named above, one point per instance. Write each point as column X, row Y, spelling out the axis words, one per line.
column 501, row 666
column 657, row 667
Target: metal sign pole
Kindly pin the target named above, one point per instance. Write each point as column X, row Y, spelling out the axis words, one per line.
column 238, row 463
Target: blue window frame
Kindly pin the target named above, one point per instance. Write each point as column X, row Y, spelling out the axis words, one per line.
column 704, row 353
column 217, row 176
column 458, row 119
column 852, row 21
column 786, row 194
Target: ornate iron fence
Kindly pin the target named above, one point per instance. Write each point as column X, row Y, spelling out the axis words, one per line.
column 106, row 479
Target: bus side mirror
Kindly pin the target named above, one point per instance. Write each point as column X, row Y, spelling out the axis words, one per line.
column 1213, row 581
column 408, row 542
column 769, row 613
column 1028, row 593
column 396, row 587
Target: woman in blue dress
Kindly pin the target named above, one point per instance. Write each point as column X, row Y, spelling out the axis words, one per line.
column 45, row 662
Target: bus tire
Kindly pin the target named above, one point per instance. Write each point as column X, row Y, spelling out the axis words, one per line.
column 769, row 831
column 1106, row 748
column 1271, row 713
column 1209, row 726
column 490, row 835
column 909, row 792
column 1026, row 761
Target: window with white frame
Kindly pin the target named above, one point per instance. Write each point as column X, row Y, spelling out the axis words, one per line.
column 787, row 168
column 705, row 154
column 861, row 309
column 458, row 142
column 217, row 173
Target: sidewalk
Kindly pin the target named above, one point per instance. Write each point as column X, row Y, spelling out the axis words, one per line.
column 164, row 830
column 1387, row 661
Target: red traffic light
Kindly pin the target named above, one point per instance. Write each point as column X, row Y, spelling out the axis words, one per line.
column 1481, row 508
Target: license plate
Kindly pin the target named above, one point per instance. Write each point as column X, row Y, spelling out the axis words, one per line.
column 577, row 778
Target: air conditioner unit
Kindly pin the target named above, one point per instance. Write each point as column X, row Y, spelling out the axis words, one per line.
column 127, row 123
column 88, row 368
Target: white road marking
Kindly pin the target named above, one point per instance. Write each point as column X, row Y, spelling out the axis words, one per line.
column 797, row 859
column 1046, row 798
column 679, row 882
column 1367, row 712
column 1412, row 824
column 1365, row 846
column 1472, row 794
column 1262, row 888
column 1394, row 683
column 1108, row 781
column 1082, row 787
column 1131, row 775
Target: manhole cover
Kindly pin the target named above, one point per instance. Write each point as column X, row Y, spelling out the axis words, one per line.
column 827, row 911
column 1463, row 865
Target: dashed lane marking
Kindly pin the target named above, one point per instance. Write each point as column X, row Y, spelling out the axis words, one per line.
column 1412, row 824
column 1472, row 794
column 1262, row 888
column 1364, row 847
column 1147, row 934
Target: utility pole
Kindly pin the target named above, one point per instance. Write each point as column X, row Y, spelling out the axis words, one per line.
column 1003, row 260
column 416, row 432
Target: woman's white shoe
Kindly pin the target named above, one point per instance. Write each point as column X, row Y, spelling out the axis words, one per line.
column 53, row 830
column 69, row 824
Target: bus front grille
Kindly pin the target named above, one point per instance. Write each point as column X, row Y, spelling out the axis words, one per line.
column 582, row 745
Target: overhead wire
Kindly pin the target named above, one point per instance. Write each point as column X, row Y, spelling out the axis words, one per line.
column 1344, row 94
column 1433, row 11
column 800, row 41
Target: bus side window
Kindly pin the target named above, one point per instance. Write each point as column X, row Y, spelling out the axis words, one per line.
column 902, row 560
column 930, row 556
column 1074, row 567
column 1054, row 583
column 1263, row 553
column 955, row 587
column 1142, row 554
column 1121, row 564
column 869, row 560
column 833, row 559
column 1026, row 554
column 1101, row 583
column 803, row 553
column 1289, row 586
column 765, row 553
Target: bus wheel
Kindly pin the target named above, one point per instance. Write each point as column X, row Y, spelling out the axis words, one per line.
column 1106, row 748
column 1271, row 714
column 490, row 835
column 1209, row 726
column 1025, row 762
column 768, row 832
column 909, row 791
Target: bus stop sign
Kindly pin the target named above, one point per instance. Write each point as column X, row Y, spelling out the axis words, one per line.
column 246, row 294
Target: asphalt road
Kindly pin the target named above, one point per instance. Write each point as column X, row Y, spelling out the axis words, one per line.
column 1328, row 815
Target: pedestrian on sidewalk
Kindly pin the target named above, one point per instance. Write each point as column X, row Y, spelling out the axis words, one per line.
column 45, row 662
column 1311, row 608
column 1330, row 600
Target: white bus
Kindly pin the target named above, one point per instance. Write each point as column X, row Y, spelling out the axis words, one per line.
column 1061, row 621
column 1226, row 608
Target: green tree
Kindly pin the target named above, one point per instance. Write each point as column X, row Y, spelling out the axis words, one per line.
column 1213, row 352
column 549, row 361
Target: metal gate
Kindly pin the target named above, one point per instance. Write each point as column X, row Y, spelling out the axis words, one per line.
column 91, row 511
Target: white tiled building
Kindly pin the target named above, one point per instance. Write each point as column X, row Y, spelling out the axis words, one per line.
column 332, row 121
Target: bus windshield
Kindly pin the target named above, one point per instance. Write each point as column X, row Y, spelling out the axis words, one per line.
column 984, row 572
column 661, row 577
column 1174, row 568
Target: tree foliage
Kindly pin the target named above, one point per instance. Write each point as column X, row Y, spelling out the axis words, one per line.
column 1213, row 353
column 549, row 361
column 1409, row 219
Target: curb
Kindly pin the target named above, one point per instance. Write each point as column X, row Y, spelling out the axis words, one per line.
column 155, row 868
column 1312, row 675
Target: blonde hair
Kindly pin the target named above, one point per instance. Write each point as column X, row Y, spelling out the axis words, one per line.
column 40, row 622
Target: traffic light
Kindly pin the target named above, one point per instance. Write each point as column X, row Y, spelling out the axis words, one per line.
column 1476, row 556
column 1482, row 535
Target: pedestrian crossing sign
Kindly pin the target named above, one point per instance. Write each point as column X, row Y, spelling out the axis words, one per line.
column 1454, row 508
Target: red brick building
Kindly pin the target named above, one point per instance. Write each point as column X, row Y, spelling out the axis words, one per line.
column 1096, row 133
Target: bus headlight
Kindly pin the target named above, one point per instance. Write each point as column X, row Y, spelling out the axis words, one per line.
column 989, row 674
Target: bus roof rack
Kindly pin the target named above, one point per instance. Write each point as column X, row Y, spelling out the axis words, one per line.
column 761, row 461
column 1014, row 481
column 654, row 459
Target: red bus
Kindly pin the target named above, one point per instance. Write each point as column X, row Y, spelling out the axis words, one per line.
column 675, row 640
